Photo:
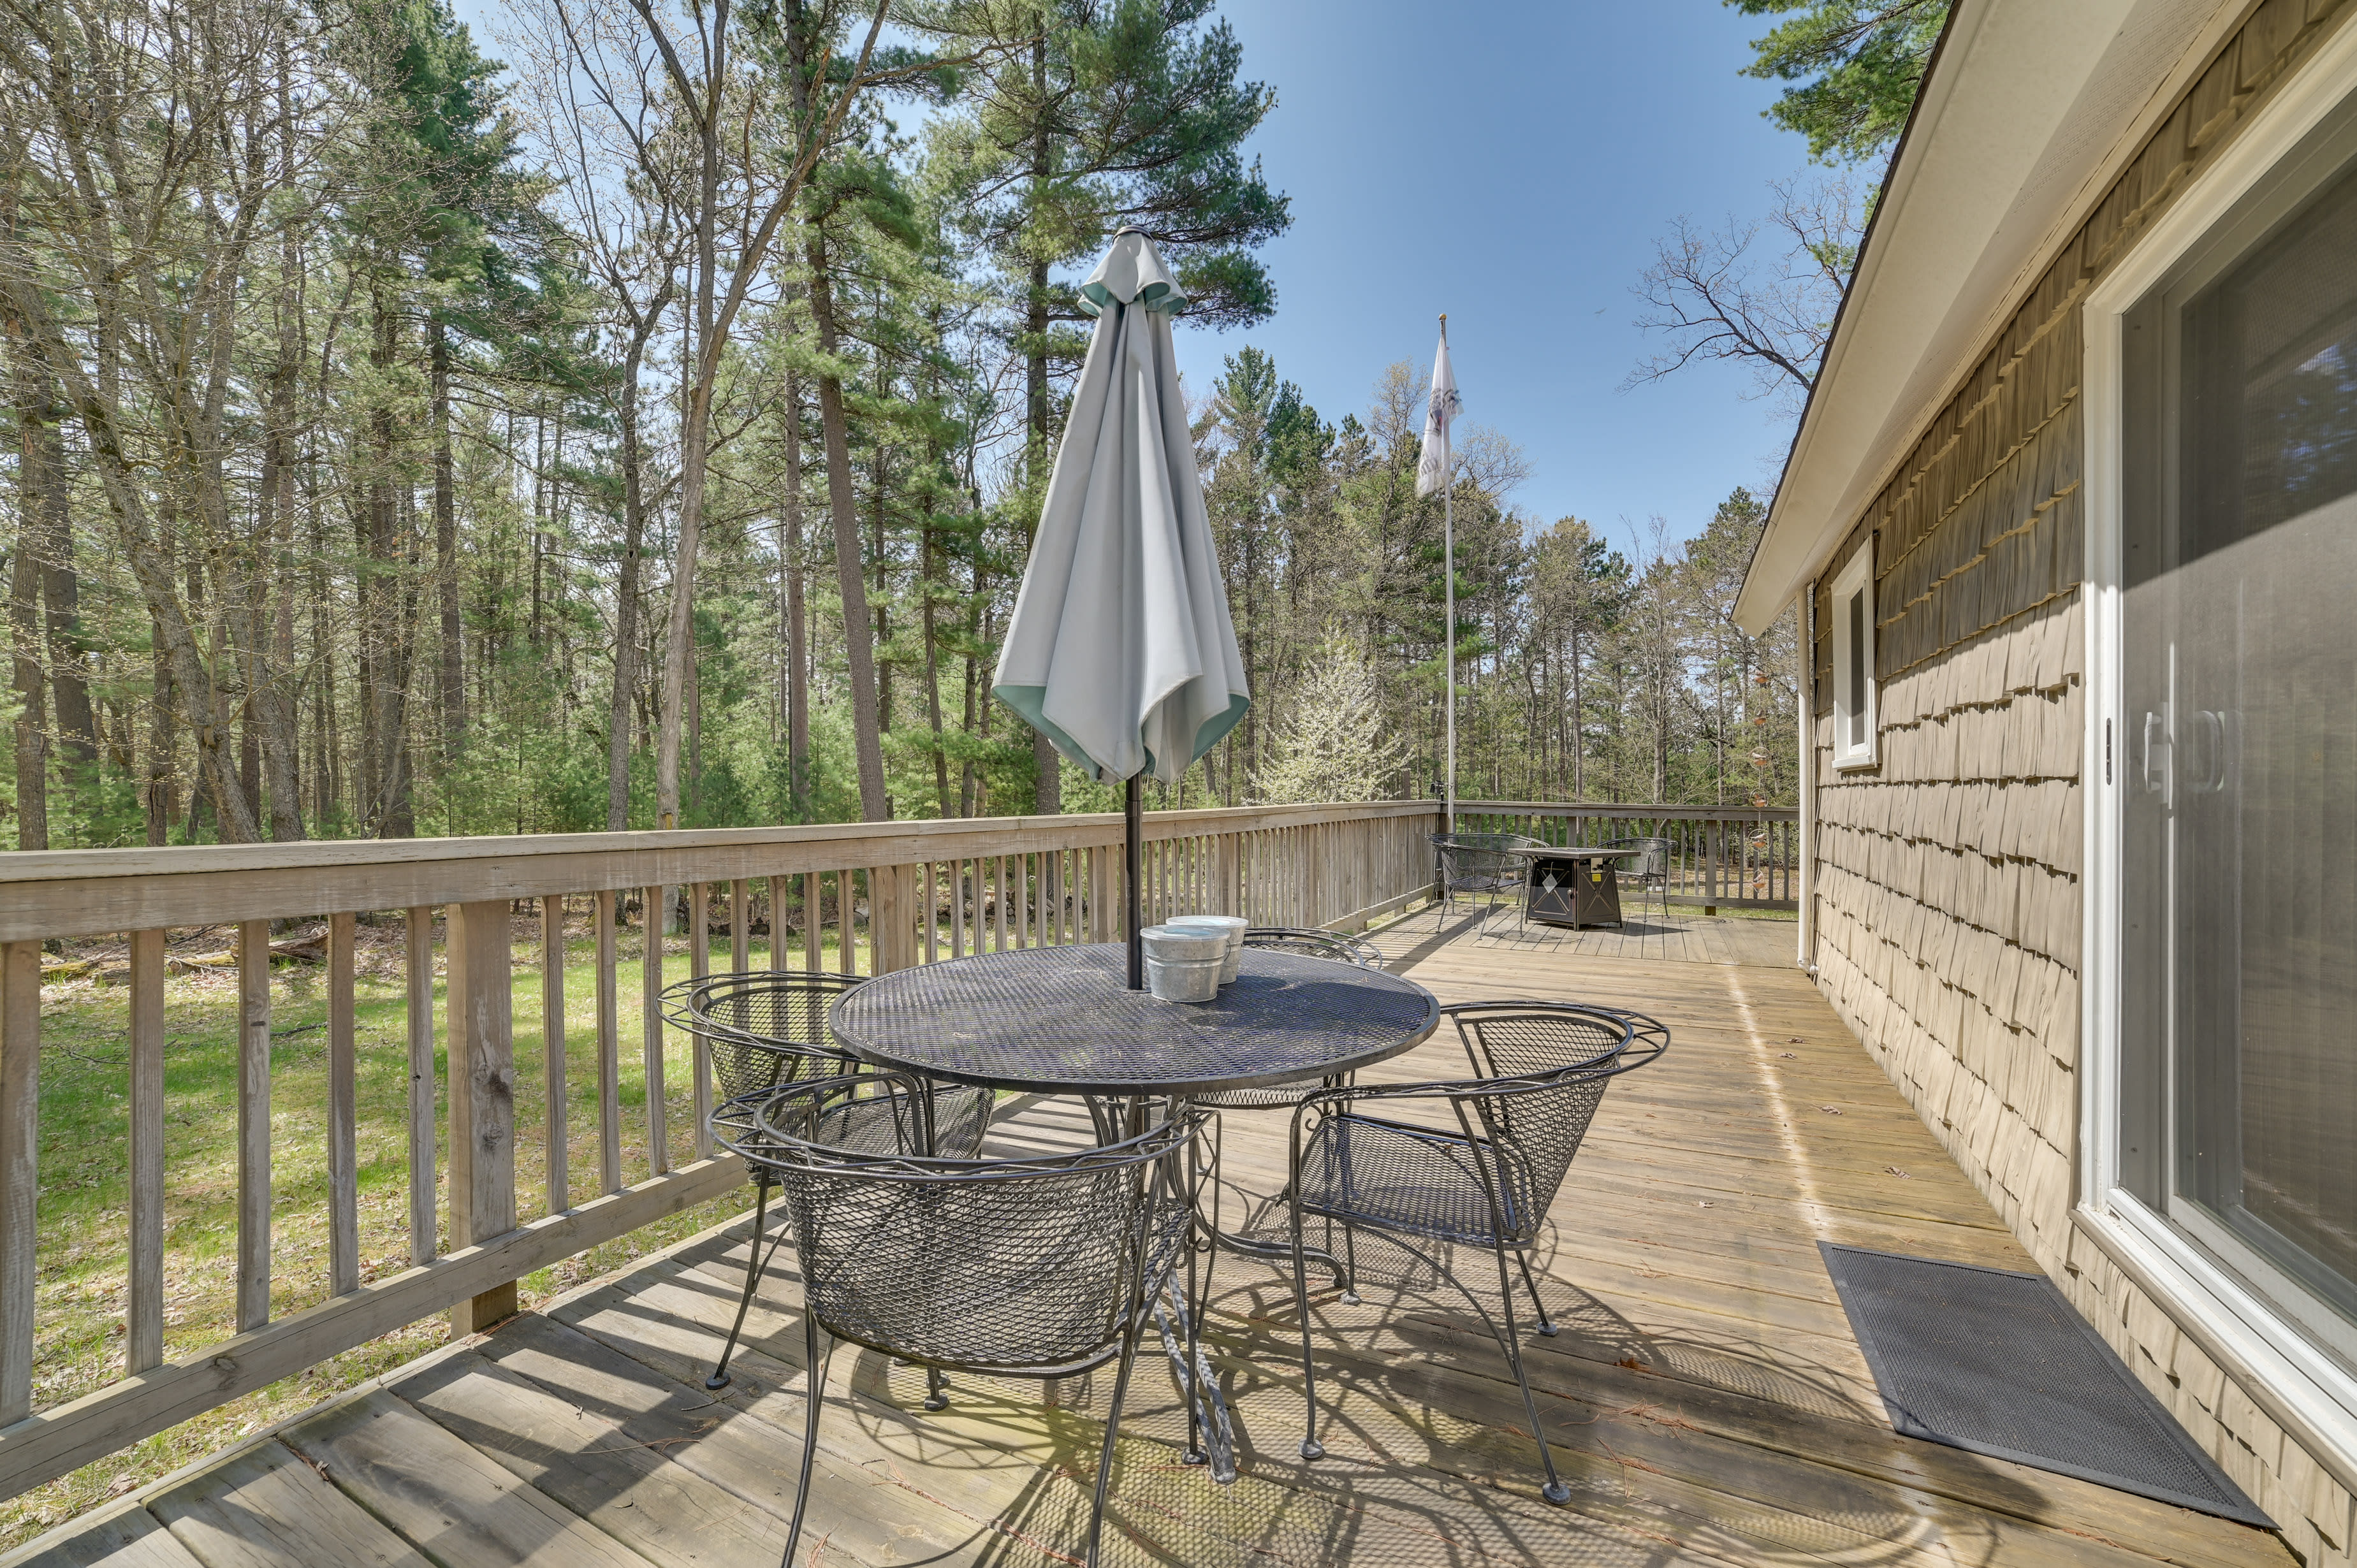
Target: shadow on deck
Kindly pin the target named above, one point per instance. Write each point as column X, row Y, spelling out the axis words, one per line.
column 1707, row 1398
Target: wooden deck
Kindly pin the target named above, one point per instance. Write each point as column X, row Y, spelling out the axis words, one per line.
column 1707, row 1398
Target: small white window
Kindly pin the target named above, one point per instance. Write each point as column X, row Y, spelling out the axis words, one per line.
column 1853, row 612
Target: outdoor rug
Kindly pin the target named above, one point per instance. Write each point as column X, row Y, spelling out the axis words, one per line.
column 1997, row 1362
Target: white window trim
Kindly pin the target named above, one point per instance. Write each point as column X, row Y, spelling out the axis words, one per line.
column 2312, row 1388
column 1856, row 575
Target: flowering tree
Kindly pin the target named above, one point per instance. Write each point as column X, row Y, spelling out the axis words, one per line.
column 1334, row 744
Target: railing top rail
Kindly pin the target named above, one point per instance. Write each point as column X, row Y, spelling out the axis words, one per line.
column 1621, row 809
column 56, row 893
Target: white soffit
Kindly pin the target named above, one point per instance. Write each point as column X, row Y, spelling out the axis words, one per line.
column 2029, row 102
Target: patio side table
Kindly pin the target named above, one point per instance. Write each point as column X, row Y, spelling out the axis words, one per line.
column 1062, row 1020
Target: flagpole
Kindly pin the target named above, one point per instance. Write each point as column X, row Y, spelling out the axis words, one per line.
column 1448, row 574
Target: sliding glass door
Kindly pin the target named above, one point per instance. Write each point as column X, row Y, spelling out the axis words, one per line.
column 2238, row 818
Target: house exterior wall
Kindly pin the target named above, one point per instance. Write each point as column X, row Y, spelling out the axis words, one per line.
column 1946, row 878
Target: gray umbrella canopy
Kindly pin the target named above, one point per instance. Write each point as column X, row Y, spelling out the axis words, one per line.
column 1121, row 649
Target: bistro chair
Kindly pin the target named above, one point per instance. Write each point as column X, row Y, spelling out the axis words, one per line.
column 1313, row 944
column 1308, row 943
column 1540, row 1069
column 769, row 1027
column 1480, row 865
column 1028, row 1268
column 1649, row 868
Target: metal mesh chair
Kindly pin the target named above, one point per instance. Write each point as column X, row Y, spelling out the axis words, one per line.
column 1540, row 1071
column 1649, row 868
column 762, row 1028
column 1479, row 863
column 769, row 1027
column 1037, row 1268
column 1309, row 944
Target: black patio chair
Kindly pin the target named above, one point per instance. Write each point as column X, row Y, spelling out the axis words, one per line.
column 1312, row 944
column 1540, row 1071
column 1480, row 865
column 1308, row 944
column 769, row 1027
column 1649, row 868
column 1031, row 1268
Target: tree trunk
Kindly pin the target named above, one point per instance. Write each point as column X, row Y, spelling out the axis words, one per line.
column 1048, row 798
column 32, row 712
column 859, row 651
column 451, row 669
column 386, row 596
column 796, row 650
column 703, row 364
column 626, row 593
column 158, row 794
column 879, row 485
column 933, row 682
column 49, row 534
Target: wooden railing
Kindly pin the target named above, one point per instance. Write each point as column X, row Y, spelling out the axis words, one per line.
column 1719, row 854
column 861, row 898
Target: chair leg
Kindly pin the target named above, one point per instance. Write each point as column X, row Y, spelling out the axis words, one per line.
column 937, row 1388
column 815, row 1361
column 753, row 1261
column 1554, row 1491
column 1537, row 1306
column 1310, row 1448
column 1349, row 1263
column 1113, row 1433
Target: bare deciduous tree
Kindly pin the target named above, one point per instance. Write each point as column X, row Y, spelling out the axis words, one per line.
column 1713, row 296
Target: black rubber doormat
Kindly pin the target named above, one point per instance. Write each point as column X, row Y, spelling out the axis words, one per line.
column 1997, row 1362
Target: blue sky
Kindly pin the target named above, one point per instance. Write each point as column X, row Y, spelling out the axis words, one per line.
column 1511, row 164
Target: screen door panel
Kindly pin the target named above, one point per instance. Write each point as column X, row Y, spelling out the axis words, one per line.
column 2239, row 819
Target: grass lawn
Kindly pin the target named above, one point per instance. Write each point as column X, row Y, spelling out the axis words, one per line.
column 84, row 1168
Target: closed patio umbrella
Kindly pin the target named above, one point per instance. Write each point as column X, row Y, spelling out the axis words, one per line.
column 1121, row 649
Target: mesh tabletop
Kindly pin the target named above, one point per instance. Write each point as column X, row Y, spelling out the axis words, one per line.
column 1062, row 1020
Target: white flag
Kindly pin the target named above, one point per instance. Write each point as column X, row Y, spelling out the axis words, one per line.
column 1444, row 406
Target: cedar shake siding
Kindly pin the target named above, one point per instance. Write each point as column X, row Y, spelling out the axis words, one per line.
column 1947, row 876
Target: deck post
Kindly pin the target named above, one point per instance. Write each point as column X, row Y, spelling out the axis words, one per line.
column 480, row 1003
column 20, row 1188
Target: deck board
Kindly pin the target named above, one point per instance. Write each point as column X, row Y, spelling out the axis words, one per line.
column 1707, row 1403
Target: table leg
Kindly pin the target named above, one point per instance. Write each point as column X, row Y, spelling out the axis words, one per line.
column 1210, row 1436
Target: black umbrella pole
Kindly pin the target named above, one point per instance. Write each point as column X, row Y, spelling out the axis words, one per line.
column 1132, row 823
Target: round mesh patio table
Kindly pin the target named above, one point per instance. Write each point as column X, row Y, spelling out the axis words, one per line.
column 1060, row 1020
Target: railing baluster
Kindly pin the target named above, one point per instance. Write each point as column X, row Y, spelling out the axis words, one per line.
column 552, row 1050
column 20, row 1178
column 699, row 930
column 651, row 1030
column 610, row 1046
column 418, row 935
column 740, row 926
column 252, row 1124
column 810, row 907
column 847, row 919
column 699, row 949
column 479, row 1001
column 143, row 1328
column 779, row 886
column 930, row 872
column 343, row 1112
